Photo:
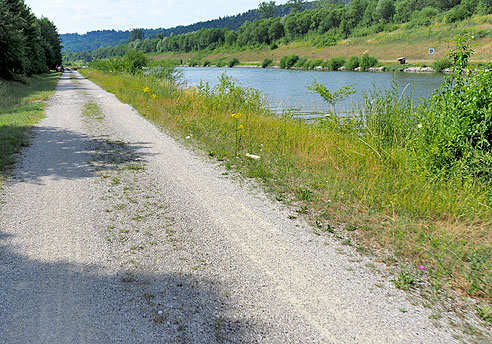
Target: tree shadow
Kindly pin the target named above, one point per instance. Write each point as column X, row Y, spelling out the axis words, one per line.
column 45, row 300
column 63, row 154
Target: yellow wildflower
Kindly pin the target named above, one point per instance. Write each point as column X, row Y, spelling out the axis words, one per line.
column 187, row 92
column 240, row 126
column 153, row 96
column 146, row 89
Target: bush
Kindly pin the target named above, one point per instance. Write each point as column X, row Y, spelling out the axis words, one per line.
column 220, row 63
column 164, row 69
column 458, row 13
column 193, row 62
column 328, row 39
column 134, row 61
column 315, row 63
column 267, row 62
column 206, row 63
column 233, row 62
column 352, row 63
column 367, row 61
column 423, row 17
column 456, row 127
column 288, row 61
column 441, row 64
column 336, row 62
column 301, row 63
column 273, row 46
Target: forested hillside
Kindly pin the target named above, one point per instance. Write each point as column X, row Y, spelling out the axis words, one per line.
column 107, row 38
column 323, row 23
column 28, row 45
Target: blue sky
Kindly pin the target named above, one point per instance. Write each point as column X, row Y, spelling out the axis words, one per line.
column 88, row 15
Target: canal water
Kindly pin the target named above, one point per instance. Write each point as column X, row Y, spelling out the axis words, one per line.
column 287, row 90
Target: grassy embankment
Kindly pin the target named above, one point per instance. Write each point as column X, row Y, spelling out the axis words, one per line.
column 366, row 192
column 21, row 106
column 413, row 43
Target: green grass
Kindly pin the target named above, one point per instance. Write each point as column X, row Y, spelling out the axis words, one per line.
column 333, row 175
column 21, row 106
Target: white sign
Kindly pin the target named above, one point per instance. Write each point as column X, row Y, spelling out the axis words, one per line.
column 431, row 51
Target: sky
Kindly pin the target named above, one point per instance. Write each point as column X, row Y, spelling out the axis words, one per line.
column 89, row 15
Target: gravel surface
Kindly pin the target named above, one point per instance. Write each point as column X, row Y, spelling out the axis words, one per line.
column 112, row 232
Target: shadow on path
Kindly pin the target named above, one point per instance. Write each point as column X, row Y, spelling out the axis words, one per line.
column 62, row 302
column 64, row 154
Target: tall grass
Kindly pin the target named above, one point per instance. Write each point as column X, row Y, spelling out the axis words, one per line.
column 361, row 172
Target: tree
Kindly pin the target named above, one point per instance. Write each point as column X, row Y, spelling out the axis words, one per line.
column 230, row 37
column 27, row 45
column 294, row 5
column 53, row 46
column 267, row 9
column 385, row 9
column 136, row 34
column 275, row 31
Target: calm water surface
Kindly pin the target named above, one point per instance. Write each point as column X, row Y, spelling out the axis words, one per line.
column 285, row 90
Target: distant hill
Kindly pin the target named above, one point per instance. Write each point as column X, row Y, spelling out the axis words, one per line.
column 107, row 38
column 93, row 39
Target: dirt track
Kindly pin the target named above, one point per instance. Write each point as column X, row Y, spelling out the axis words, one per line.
column 111, row 232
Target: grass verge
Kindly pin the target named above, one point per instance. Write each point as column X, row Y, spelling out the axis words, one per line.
column 21, row 106
column 373, row 199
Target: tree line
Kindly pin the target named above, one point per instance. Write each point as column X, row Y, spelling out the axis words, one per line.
column 324, row 23
column 28, row 45
column 74, row 42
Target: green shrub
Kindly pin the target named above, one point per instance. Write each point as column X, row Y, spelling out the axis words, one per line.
column 456, row 126
column 288, row 61
column 458, row 13
column 273, row 46
column 423, row 17
column 220, row 63
column 267, row 62
column 164, row 69
column 352, row 63
column 336, row 62
column 193, row 62
column 233, row 62
column 132, row 63
column 367, row 61
column 441, row 64
column 301, row 63
column 327, row 39
column 206, row 63
column 315, row 63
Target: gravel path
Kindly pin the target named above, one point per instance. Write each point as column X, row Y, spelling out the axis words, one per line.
column 111, row 232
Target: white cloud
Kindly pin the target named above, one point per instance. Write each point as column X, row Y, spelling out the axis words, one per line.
column 88, row 15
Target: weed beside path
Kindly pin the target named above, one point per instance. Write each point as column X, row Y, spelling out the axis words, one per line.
column 21, row 106
column 336, row 179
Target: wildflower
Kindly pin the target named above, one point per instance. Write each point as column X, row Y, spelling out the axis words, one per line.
column 419, row 126
column 421, row 267
column 153, row 96
column 240, row 126
column 252, row 156
column 146, row 89
column 236, row 115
